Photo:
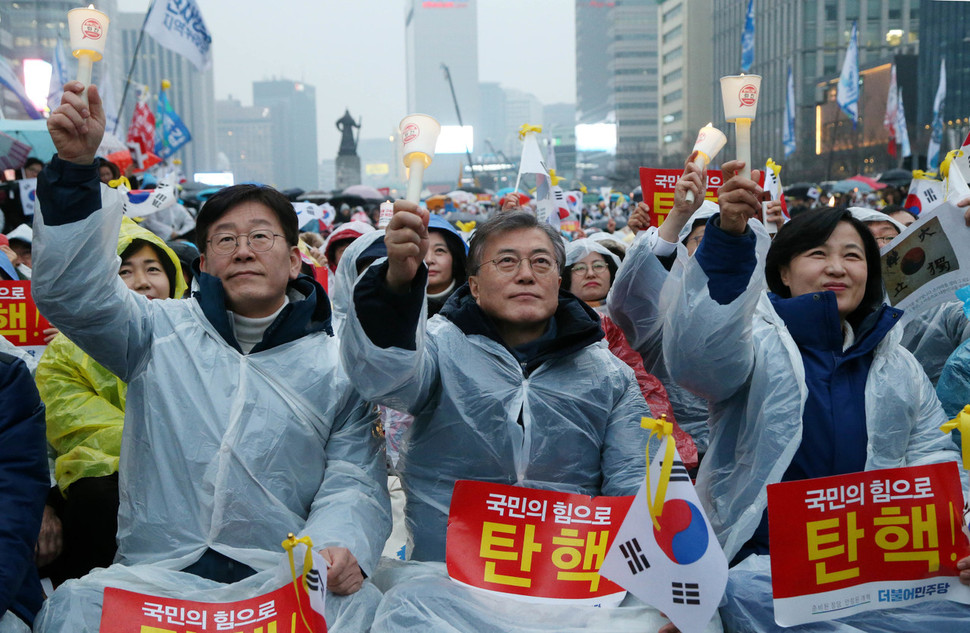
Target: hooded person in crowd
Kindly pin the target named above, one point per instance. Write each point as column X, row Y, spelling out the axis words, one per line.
column 86, row 411
column 445, row 261
column 806, row 381
column 240, row 425
column 507, row 384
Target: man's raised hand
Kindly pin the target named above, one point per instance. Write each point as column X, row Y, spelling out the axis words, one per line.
column 407, row 244
column 77, row 127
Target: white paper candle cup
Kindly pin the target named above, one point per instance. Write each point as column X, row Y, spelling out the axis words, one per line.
column 710, row 141
column 89, row 32
column 419, row 134
column 739, row 94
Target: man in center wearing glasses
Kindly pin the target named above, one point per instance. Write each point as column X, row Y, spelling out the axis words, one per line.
column 507, row 384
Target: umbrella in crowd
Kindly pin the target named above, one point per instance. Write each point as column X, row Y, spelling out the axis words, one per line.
column 13, row 153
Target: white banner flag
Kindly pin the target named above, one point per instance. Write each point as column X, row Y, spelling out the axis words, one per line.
column 178, row 26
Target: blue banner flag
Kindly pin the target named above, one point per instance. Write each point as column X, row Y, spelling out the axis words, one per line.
column 178, row 26
column 59, row 75
column 9, row 80
column 747, row 39
column 848, row 90
column 170, row 133
column 936, row 131
column 788, row 133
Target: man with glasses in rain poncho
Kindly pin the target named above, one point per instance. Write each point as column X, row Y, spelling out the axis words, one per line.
column 508, row 384
column 240, row 425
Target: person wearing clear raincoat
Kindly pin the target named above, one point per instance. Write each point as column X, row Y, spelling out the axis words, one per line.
column 510, row 384
column 764, row 363
column 240, row 424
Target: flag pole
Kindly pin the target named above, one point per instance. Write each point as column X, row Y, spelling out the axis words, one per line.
column 131, row 69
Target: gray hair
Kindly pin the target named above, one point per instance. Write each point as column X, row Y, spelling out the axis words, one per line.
column 511, row 221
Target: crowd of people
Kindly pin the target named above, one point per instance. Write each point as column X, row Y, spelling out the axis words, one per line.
column 200, row 401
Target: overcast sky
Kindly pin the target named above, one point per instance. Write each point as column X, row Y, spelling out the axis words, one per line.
column 352, row 51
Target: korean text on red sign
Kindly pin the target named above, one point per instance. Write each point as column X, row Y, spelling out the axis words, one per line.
column 20, row 322
column 277, row 611
column 534, row 543
column 658, row 190
column 866, row 541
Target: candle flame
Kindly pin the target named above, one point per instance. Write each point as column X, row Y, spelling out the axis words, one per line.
column 90, row 6
column 711, row 124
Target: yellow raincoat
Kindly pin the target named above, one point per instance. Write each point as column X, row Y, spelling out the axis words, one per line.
column 85, row 402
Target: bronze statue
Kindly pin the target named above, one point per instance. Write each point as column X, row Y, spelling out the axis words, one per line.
column 346, row 125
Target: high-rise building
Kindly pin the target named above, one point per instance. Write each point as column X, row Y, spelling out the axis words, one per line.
column 814, row 35
column 192, row 94
column 592, row 58
column 632, row 86
column 943, row 29
column 293, row 111
column 30, row 31
column 436, row 34
column 686, row 80
column 244, row 134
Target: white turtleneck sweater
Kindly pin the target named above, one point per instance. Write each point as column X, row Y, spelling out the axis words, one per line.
column 249, row 331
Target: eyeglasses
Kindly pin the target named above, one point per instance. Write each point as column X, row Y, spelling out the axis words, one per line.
column 882, row 241
column 509, row 265
column 580, row 269
column 259, row 241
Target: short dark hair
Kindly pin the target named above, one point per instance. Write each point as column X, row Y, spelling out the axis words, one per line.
column 33, row 160
column 808, row 230
column 167, row 264
column 115, row 170
column 567, row 280
column 511, row 221
column 225, row 200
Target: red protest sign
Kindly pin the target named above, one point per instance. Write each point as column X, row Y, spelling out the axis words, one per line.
column 658, row 190
column 865, row 541
column 534, row 543
column 280, row 610
column 20, row 322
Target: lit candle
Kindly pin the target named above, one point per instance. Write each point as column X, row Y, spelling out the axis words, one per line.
column 419, row 133
column 739, row 95
column 89, row 32
column 710, row 141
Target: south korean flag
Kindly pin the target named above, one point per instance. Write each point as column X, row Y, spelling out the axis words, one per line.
column 668, row 555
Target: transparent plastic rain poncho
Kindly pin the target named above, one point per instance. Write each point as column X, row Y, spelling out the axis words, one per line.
column 741, row 358
column 634, row 305
column 748, row 607
column 220, row 450
column 76, row 605
column 85, row 403
column 580, row 419
column 341, row 289
column 931, row 333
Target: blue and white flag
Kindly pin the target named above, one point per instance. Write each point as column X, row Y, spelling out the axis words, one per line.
column 178, row 26
column 788, row 133
column 936, row 133
column 170, row 133
column 108, row 101
column 747, row 39
column 901, row 131
column 9, row 80
column 848, row 90
column 59, row 75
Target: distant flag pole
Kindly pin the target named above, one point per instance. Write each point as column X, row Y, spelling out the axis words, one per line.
column 747, row 39
column 847, row 95
column 131, row 70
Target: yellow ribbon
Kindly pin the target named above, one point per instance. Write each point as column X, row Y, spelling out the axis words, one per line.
column 662, row 429
column 775, row 167
column 290, row 543
column 554, row 178
column 582, row 188
column 119, row 181
column 465, row 227
column 945, row 165
column 961, row 423
column 923, row 175
column 526, row 128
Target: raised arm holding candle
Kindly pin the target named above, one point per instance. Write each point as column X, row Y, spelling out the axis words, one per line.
column 419, row 133
column 89, row 32
column 710, row 141
column 739, row 94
